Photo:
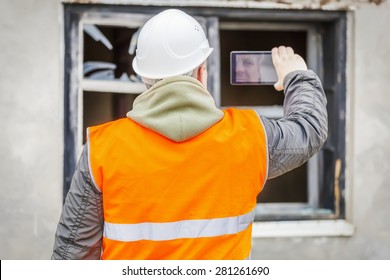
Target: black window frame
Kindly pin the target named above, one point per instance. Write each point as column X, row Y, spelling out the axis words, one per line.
column 331, row 70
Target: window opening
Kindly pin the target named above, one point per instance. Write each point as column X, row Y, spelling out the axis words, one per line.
column 100, row 86
column 107, row 56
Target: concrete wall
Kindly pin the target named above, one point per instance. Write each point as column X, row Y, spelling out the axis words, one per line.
column 31, row 120
column 371, row 132
column 31, row 147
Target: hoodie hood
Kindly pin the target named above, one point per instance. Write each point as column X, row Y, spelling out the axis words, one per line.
column 178, row 108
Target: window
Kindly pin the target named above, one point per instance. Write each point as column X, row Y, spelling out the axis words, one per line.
column 101, row 86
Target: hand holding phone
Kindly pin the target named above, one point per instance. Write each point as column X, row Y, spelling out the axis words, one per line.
column 264, row 67
column 286, row 61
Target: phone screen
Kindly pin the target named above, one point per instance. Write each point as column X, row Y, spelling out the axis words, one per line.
column 252, row 68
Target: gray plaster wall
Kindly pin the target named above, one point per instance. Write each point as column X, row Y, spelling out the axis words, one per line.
column 31, row 146
column 31, row 121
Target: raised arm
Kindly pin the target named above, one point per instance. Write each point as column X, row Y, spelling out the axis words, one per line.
column 293, row 139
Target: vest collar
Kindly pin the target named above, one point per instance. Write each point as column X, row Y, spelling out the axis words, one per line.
column 178, row 108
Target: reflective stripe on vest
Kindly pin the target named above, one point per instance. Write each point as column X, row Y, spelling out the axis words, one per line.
column 176, row 230
column 189, row 200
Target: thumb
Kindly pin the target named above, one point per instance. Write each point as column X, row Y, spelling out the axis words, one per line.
column 279, row 85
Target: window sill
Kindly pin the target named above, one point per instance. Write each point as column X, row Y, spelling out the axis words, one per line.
column 115, row 86
column 302, row 229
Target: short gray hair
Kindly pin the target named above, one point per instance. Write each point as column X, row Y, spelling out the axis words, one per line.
column 150, row 82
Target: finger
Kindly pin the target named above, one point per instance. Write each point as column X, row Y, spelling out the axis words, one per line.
column 289, row 51
column 275, row 56
column 278, row 86
column 282, row 51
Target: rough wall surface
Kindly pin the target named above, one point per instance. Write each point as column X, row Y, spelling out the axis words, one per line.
column 32, row 123
column 266, row 4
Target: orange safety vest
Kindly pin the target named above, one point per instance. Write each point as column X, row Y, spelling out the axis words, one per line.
column 189, row 200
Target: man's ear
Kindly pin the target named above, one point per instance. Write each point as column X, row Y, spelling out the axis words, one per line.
column 202, row 74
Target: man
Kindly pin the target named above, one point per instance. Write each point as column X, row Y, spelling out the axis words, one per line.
column 247, row 69
column 178, row 178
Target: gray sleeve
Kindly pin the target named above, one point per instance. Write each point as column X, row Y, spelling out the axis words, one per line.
column 79, row 231
column 303, row 130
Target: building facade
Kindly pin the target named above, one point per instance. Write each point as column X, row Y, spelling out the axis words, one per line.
column 66, row 66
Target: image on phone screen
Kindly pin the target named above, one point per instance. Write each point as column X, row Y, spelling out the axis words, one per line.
column 252, row 68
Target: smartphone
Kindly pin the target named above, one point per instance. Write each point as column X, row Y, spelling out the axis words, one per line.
column 252, row 68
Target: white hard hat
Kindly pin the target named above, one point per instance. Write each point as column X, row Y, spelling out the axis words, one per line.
column 169, row 44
